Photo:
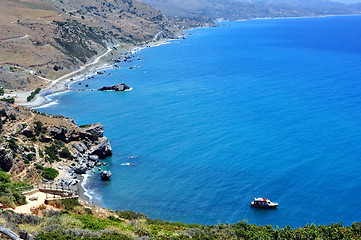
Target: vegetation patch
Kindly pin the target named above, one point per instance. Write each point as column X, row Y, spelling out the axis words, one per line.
column 10, row 193
column 130, row 215
column 8, row 100
column 68, row 204
column 33, row 94
column 48, row 173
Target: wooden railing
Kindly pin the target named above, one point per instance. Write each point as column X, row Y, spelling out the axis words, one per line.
column 53, row 191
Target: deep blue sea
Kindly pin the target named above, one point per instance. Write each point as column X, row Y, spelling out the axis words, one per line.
column 263, row 108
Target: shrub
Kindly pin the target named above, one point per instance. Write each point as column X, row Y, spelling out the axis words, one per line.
column 31, row 157
column 12, row 144
column 65, row 153
column 9, row 193
column 85, row 126
column 33, row 94
column 93, row 223
column 50, row 173
column 130, row 215
column 8, row 100
column 39, row 127
column 70, row 203
column 4, row 177
column 33, row 139
column 52, row 152
column 7, row 201
column 12, row 116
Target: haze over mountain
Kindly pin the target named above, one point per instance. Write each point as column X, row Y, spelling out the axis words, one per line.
column 246, row 9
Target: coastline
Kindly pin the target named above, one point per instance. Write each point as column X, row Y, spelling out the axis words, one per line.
column 61, row 84
column 102, row 62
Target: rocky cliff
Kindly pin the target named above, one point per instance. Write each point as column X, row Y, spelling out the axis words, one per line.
column 30, row 139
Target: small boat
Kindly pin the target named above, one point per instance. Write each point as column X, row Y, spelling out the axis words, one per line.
column 263, row 203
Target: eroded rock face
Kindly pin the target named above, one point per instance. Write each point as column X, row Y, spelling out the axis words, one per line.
column 96, row 129
column 6, row 159
column 80, row 147
column 59, row 133
column 103, row 149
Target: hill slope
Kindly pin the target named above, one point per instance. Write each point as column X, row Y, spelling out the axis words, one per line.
column 48, row 38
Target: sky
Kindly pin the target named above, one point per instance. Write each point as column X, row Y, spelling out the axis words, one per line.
column 347, row 1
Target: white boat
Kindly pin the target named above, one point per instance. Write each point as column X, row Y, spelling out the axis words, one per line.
column 263, row 203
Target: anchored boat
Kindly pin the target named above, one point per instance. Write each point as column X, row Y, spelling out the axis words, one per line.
column 263, row 203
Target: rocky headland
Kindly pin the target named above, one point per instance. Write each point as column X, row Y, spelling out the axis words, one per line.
column 32, row 141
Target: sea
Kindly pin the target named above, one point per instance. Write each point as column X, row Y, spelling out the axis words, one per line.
column 263, row 108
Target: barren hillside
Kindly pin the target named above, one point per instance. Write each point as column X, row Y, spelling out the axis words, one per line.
column 44, row 39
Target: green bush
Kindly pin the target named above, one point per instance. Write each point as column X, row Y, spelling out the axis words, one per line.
column 8, row 100
column 4, row 177
column 10, row 195
column 12, row 116
column 93, row 223
column 130, row 215
column 85, row 126
column 70, row 203
column 33, row 94
column 31, row 157
column 12, row 144
column 50, row 173
column 65, row 153
column 39, row 127
column 7, row 201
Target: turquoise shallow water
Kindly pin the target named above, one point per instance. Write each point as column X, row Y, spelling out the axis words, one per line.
column 263, row 108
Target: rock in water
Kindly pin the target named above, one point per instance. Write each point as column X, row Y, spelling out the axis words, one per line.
column 105, row 175
column 102, row 150
column 118, row 88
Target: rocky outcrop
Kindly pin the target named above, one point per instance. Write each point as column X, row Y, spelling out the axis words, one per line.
column 105, row 175
column 28, row 132
column 96, row 129
column 80, row 147
column 59, row 133
column 80, row 169
column 6, row 159
column 94, row 158
column 103, row 149
column 45, row 139
column 118, row 88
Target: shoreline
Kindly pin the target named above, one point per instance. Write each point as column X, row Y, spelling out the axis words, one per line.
column 61, row 86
